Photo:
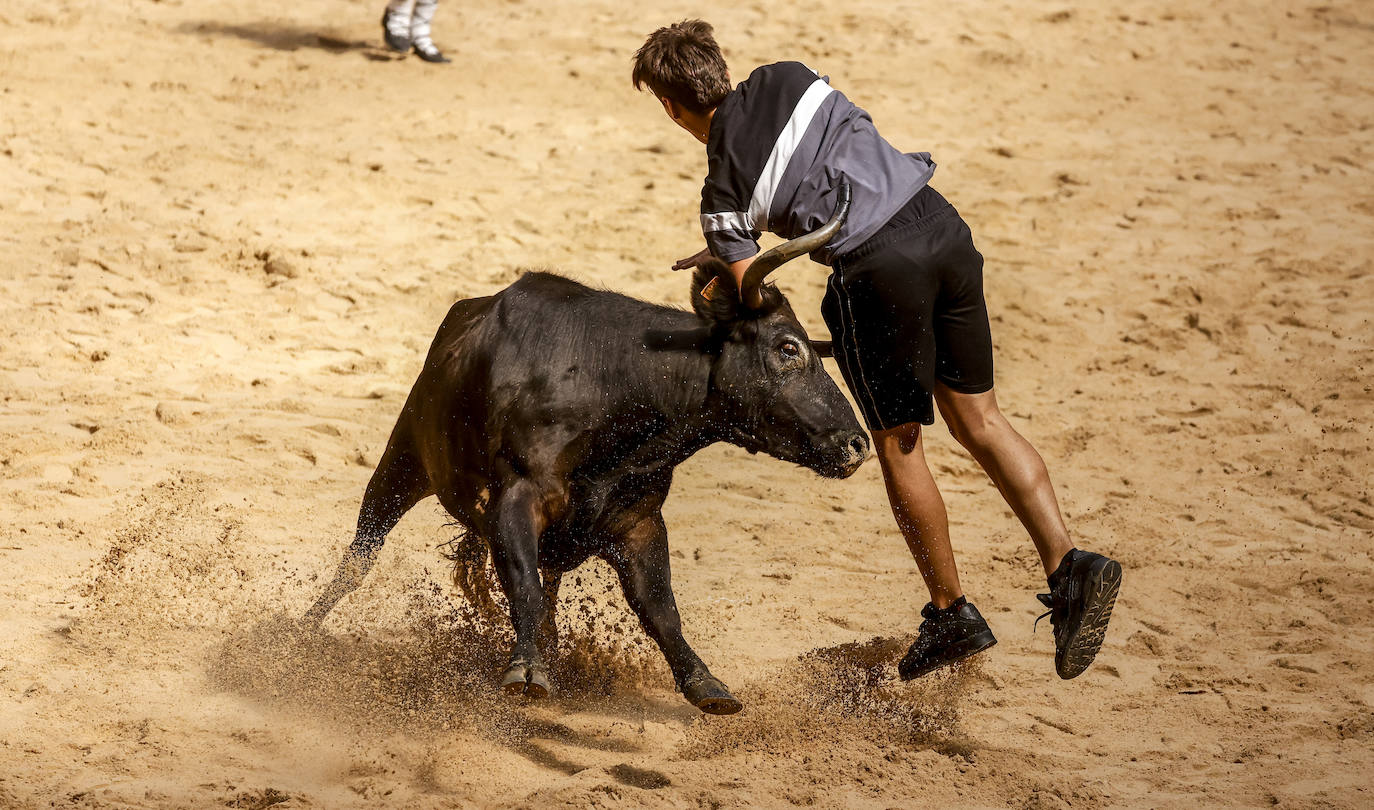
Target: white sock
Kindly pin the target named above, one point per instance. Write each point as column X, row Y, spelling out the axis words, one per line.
column 398, row 17
column 419, row 25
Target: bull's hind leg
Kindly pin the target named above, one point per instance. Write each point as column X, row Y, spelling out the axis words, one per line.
column 642, row 565
column 398, row 483
column 519, row 520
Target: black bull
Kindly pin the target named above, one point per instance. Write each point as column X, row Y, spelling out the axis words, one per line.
column 548, row 420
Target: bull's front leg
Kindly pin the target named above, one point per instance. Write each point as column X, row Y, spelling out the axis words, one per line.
column 548, row 630
column 641, row 561
column 519, row 520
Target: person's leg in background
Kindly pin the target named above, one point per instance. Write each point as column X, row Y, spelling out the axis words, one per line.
column 420, row 22
column 396, row 25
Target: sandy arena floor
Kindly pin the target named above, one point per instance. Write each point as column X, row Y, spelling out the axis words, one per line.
column 229, row 229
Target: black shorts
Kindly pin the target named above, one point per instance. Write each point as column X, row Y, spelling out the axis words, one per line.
column 905, row 309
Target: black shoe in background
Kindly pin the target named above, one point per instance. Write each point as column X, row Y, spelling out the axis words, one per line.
column 1082, row 593
column 945, row 636
column 428, row 52
column 396, row 42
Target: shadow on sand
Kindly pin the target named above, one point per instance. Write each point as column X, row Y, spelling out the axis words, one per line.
column 283, row 36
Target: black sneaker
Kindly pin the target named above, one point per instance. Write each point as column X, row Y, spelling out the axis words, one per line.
column 1082, row 592
column 945, row 636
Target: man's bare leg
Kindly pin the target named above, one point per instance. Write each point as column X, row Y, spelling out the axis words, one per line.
column 1014, row 466
column 1083, row 585
column 952, row 628
column 919, row 509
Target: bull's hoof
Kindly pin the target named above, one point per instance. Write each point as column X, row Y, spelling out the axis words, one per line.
column 526, row 678
column 710, row 695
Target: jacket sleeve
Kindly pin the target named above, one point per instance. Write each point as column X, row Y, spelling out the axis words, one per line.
column 729, row 235
column 725, row 222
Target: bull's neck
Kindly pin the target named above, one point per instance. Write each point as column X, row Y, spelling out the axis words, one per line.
column 691, row 417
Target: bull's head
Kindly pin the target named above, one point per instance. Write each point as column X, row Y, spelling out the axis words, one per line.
column 775, row 394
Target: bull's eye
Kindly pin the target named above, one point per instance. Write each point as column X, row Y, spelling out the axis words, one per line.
column 790, row 349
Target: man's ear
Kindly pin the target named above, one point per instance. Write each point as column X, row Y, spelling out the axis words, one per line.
column 714, row 296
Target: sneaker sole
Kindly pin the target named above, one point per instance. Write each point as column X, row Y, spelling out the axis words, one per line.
column 1101, row 588
column 957, row 652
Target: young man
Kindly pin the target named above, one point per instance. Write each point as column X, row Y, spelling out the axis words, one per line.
column 904, row 306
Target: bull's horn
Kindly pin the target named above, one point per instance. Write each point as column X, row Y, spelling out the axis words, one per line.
column 771, row 260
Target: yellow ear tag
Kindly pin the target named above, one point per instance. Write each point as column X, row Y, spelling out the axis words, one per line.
column 709, row 289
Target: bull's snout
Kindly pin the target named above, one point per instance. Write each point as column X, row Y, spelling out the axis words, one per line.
column 849, row 450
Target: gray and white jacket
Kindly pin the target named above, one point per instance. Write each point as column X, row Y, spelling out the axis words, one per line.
column 778, row 145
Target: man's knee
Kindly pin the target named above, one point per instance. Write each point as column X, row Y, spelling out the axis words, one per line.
column 974, row 423
column 972, row 431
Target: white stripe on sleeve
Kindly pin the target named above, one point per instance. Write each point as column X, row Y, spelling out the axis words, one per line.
column 726, row 221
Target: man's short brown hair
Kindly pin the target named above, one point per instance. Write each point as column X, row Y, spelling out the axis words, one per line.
column 683, row 63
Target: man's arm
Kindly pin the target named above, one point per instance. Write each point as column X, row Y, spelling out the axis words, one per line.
column 737, row 270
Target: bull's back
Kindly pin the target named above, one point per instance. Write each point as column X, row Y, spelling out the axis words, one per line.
column 545, row 360
column 462, row 395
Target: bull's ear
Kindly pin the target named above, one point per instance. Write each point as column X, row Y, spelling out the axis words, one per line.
column 823, row 348
column 714, row 295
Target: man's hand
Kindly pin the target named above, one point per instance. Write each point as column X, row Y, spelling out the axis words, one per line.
column 694, row 260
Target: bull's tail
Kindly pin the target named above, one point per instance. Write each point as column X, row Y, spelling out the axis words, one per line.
column 472, row 572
